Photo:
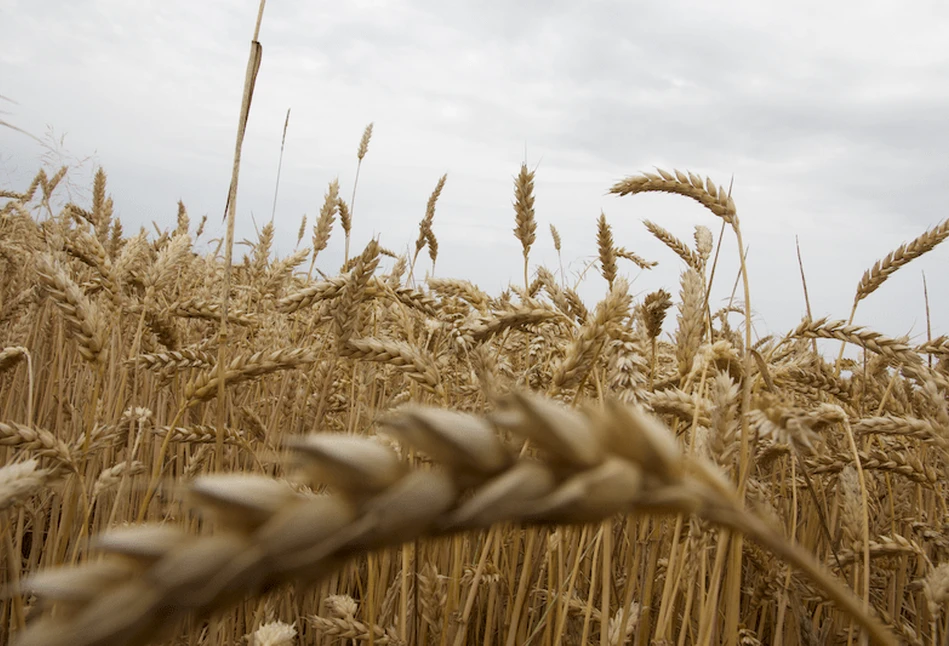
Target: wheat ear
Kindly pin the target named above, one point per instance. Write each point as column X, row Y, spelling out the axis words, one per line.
column 691, row 258
column 526, row 225
column 345, row 212
column 593, row 464
column 690, row 185
column 81, row 314
column 604, row 243
column 11, row 356
column 882, row 269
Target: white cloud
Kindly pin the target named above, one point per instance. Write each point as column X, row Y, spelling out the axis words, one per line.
column 831, row 121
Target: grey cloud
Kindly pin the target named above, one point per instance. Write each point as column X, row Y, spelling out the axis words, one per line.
column 832, row 123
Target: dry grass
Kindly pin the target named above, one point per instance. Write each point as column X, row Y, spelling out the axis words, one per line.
column 198, row 451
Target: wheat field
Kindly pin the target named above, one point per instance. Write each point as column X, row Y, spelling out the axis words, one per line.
column 341, row 456
column 200, row 449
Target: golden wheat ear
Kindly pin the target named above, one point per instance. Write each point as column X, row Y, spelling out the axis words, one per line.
column 353, row 464
column 592, row 495
column 596, row 463
column 508, row 497
column 144, row 544
column 77, row 585
column 562, row 432
column 241, row 502
column 468, row 445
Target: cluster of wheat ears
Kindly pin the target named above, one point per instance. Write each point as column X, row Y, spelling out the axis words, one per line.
column 208, row 451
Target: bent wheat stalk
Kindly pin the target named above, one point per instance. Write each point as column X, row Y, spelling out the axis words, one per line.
column 587, row 466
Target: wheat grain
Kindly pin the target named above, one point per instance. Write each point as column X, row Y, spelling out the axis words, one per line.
column 19, row 482
column 396, row 353
column 273, row 633
column 111, row 477
column 525, row 228
column 11, row 356
column 654, row 310
column 425, row 225
column 639, row 261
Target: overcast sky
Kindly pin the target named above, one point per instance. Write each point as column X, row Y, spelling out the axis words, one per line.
column 833, row 122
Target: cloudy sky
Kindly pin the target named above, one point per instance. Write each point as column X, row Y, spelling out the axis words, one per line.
column 831, row 122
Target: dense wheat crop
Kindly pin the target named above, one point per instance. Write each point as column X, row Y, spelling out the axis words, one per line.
column 337, row 455
column 201, row 449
